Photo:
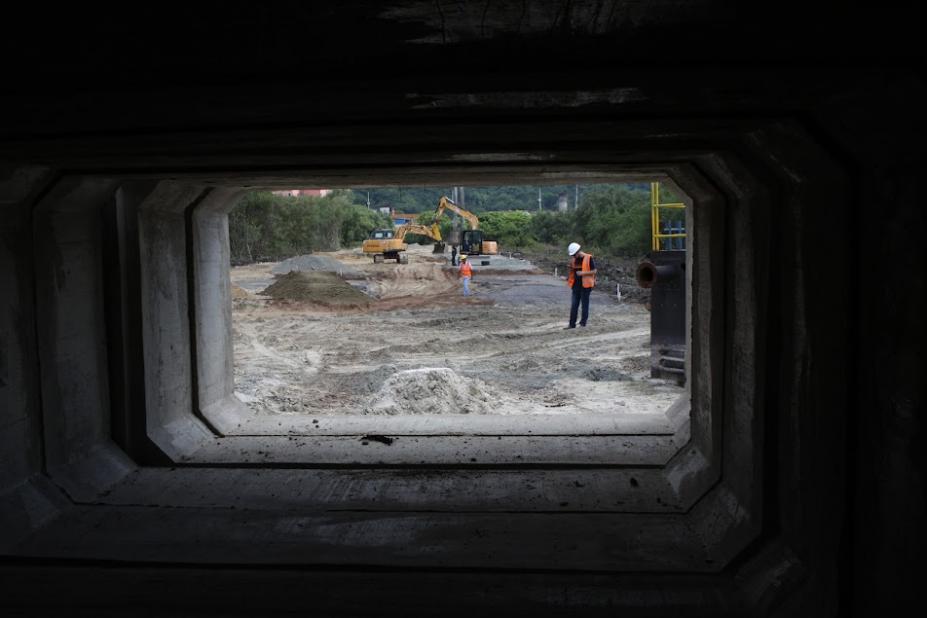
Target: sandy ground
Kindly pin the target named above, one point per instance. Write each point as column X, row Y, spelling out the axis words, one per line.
column 423, row 348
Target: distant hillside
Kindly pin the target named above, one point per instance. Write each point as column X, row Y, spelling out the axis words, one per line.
column 478, row 199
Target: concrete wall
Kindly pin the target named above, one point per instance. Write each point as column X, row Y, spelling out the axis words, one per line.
column 168, row 346
column 29, row 500
column 811, row 146
column 20, row 408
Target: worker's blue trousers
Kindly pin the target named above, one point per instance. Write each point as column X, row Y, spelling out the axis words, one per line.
column 466, row 284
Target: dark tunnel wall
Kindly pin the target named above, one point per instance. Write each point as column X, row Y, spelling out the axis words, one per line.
column 253, row 91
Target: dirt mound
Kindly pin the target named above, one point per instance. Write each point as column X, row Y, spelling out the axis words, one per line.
column 431, row 391
column 239, row 293
column 317, row 263
column 419, row 280
column 324, row 288
column 636, row 364
column 423, row 271
column 362, row 382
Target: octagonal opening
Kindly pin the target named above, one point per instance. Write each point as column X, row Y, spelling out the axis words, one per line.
column 324, row 326
column 524, row 428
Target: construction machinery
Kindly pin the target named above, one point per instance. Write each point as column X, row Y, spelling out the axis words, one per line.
column 390, row 244
column 471, row 242
column 384, row 244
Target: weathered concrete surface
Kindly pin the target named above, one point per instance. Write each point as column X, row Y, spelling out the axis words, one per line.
column 212, row 297
column 612, row 542
column 29, row 499
column 483, row 92
column 354, row 450
column 20, row 408
column 168, row 360
column 622, row 490
column 70, row 306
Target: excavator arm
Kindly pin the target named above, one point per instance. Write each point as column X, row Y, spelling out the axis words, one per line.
column 445, row 204
column 431, row 231
column 472, row 242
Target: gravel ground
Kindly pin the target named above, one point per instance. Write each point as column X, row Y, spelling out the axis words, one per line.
column 506, row 341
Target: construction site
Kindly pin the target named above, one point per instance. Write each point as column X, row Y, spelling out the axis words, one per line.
column 339, row 333
column 250, row 367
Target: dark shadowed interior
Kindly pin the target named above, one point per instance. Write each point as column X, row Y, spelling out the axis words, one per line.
column 788, row 483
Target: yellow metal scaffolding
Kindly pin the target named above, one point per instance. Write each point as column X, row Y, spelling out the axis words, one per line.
column 655, row 207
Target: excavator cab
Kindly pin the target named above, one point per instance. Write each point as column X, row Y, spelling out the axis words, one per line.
column 471, row 242
column 385, row 244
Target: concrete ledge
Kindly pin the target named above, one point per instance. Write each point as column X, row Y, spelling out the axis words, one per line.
column 416, row 450
column 609, row 542
column 102, row 468
column 617, row 424
column 621, row 490
column 26, row 509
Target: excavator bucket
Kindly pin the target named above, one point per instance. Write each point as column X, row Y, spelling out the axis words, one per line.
column 438, row 248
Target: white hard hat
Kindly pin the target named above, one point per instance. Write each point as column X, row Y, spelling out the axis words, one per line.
column 573, row 248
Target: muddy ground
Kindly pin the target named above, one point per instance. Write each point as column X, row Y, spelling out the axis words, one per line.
column 420, row 347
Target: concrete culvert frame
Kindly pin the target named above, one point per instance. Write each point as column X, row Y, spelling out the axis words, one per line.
column 427, row 439
column 791, row 482
column 684, row 496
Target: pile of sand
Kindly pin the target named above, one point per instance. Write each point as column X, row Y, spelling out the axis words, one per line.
column 420, row 280
column 239, row 293
column 431, row 391
column 316, row 263
column 324, row 288
column 361, row 382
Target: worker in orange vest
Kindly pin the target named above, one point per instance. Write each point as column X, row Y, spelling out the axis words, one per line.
column 465, row 273
column 581, row 281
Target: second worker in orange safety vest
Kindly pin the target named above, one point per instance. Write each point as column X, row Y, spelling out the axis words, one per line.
column 581, row 281
column 465, row 273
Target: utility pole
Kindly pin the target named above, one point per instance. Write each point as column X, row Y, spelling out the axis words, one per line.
column 368, row 200
column 463, row 198
column 539, row 199
column 576, row 199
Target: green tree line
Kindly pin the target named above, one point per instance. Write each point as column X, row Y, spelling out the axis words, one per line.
column 264, row 226
column 611, row 220
column 479, row 199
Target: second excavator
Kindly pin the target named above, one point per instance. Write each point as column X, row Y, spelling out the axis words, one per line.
column 391, row 244
column 385, row 244
column 472, row 241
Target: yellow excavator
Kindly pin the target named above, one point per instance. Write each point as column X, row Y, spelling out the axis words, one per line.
column 385, row 244
column 471, row 241
column 391, row 245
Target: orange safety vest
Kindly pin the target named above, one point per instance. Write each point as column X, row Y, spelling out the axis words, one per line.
column 465, row 270
column 588, row 280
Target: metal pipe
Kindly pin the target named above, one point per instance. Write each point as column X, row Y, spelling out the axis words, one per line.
column 648, row 274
